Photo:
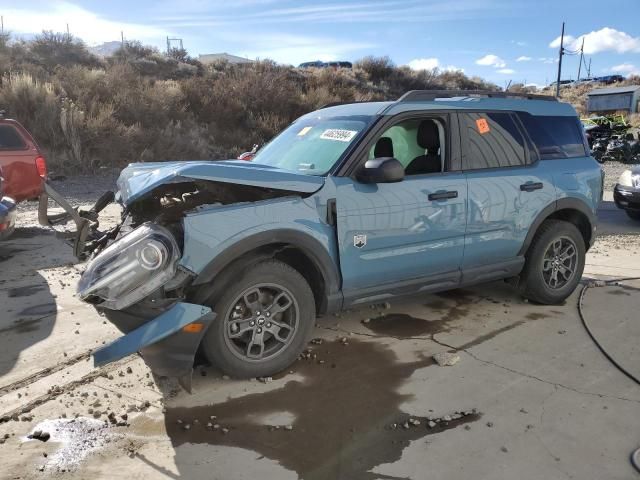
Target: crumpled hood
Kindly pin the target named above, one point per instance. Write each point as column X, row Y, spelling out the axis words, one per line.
column 140, row 178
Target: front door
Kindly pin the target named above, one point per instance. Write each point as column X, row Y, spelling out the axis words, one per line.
column 395, row 238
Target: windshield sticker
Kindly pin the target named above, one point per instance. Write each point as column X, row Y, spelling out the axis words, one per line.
column 339, row 135
column 483, row 126
column 304, row 131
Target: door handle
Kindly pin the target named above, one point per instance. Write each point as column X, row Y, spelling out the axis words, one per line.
column 531, row 186
column 443, row 195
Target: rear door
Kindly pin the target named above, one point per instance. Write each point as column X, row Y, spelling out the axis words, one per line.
column 17, row 161
column 508, row 188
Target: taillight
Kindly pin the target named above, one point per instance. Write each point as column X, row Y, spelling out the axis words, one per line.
column 41, row 166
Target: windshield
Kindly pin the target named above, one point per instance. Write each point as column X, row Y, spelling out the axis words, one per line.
column 313, row 145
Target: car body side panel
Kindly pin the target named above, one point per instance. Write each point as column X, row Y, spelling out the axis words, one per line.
column 577, row 178
column 211, row 230
column 500, row 214
column 403, row 235
column 22, row 181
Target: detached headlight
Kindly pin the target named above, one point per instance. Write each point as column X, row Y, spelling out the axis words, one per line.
column 629, row 179
column 131, row 268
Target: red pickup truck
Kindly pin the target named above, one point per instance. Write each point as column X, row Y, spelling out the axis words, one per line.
column 23, row 165
column 23, row 169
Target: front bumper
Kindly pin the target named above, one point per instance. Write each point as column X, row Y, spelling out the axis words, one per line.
column 86, row 220
column 165, row 344
column 7, row 216
column 626, row 198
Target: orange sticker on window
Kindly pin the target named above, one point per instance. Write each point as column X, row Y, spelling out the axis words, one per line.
column 483, row 126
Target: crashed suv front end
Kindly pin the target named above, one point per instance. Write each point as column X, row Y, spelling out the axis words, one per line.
column 144, row 271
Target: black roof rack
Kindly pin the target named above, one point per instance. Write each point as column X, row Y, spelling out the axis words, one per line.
column 425, row 95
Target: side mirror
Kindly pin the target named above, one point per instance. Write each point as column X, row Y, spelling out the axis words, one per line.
column 381, row 170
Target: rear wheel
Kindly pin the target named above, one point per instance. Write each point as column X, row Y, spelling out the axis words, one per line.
column 265, row 316
column 554, row 263
column 633, row 214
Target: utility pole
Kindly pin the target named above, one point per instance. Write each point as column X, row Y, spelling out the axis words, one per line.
column 68, row 34
column 581, row 58
column 561, row 52
column 589, row 69
column 1, row 25
column 122, row 39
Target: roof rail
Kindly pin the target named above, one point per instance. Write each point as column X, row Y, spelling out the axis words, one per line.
column 425, row 95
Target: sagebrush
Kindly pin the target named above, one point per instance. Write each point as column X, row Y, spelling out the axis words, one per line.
column 140, row 105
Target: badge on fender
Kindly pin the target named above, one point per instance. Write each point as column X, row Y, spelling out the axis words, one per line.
column 359, row 241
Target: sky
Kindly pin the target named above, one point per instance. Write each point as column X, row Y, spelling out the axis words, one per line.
column 499, row 40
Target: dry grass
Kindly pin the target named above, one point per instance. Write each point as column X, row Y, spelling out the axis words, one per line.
column 139, row 105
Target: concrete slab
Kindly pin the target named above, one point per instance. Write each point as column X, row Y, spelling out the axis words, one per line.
column 531, row 397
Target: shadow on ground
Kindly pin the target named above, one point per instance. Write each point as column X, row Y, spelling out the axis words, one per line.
column 28, row 307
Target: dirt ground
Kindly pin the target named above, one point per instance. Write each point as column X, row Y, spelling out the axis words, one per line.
column 531, row 396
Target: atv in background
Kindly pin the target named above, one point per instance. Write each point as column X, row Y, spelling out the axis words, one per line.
column 624, row 149
column 609, row 139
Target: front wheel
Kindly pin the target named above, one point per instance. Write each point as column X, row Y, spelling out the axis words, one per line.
column 554, row 263
column 265, row 316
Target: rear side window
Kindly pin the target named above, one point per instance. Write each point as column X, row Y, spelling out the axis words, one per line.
column 555, row 137
column 10, row 139
column 492, row 140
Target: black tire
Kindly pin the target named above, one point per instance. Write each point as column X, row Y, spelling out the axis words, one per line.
column 537, row 276
column 633, row 214
column 267, row 276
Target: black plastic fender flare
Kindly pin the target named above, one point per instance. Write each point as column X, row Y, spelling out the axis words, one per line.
column 311, row 247
column 561, row 204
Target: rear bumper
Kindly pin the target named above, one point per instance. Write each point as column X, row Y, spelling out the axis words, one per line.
column 165, row 345
column 7, row 216
column 627, row 198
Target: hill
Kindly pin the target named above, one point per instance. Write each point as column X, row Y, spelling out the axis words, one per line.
column 137, row 104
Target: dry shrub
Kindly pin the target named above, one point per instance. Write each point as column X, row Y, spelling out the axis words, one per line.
column 142, row 106
column 35, row 104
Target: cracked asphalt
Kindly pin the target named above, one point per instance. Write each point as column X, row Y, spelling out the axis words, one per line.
column 531, row 396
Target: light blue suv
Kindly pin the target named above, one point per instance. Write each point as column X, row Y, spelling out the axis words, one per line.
column 350, row 205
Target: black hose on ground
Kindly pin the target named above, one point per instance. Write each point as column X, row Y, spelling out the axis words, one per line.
column 595, row 340
column 635, row 455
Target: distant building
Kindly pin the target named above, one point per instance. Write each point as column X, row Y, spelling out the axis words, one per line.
column 614, row 99
column 226, row 57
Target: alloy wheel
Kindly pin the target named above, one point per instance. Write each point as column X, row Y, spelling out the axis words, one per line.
column 261, row 322
column 559, row 263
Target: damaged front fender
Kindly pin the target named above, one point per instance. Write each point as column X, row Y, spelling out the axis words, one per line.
column 168, row 343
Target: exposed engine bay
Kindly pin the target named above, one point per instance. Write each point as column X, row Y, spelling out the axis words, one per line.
column 166, row 206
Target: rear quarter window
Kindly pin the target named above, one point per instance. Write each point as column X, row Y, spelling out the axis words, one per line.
column 10, row 139
column 555, row 137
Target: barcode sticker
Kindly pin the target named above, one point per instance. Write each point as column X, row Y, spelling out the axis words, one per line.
column 339, row 135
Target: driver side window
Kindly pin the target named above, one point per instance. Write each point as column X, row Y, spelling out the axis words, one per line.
column 418, row 144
